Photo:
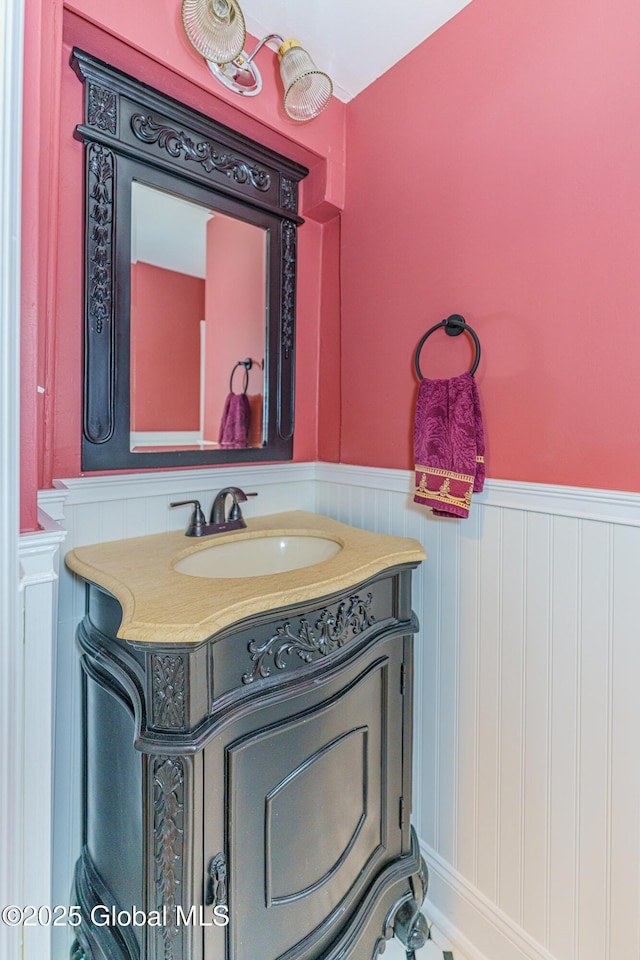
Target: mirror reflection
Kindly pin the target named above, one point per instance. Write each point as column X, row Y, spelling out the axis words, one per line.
column 198, row 325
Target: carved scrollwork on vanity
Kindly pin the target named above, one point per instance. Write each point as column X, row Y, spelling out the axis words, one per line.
column 168, row 835
column 169, row 695
column 333, row 630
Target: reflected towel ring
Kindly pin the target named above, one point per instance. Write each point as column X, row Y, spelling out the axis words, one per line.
column 453, row 326
column 247, row 364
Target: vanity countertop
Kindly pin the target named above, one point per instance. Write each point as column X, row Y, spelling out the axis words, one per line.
column 158, row 603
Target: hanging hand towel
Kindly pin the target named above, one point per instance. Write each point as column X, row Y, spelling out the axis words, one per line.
column 236, row 418
column 448, row 443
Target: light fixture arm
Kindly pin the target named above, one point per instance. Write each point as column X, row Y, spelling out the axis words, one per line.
column 307, row 90
column 270, row 36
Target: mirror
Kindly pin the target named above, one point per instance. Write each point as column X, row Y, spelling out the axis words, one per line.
column 190, row 283
column 198, row 283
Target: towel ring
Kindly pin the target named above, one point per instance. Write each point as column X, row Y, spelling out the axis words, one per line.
column 453, row 326
column 247, row 364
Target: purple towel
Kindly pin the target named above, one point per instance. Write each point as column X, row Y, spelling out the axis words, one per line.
column 448, row 445
column 234, row 425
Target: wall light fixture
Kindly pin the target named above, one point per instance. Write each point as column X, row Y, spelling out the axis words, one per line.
column 216, row 28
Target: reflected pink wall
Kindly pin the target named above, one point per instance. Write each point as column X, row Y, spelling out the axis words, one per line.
column 166, row 311
column 235, row 313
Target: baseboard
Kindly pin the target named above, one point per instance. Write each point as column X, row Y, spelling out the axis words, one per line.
column 495, row 935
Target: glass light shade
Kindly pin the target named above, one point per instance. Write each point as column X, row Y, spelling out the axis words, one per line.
column 307, row 90
column 216, row 28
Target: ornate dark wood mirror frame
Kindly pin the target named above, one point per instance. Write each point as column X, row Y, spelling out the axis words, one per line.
column 130, row 128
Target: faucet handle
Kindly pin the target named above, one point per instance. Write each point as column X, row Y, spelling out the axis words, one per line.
column 238, row 495
column 195, row 527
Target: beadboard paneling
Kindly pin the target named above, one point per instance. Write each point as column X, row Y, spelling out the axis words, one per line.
column 527, row 770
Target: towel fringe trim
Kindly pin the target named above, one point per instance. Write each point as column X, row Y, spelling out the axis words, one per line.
column 462, row 483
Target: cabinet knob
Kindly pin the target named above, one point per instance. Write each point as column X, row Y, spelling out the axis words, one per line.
column 217, row 882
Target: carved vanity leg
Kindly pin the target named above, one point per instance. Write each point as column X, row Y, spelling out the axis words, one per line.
column 409, row 925
column 167, row 846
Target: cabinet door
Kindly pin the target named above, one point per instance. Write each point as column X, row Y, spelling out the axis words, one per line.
column 312, row 794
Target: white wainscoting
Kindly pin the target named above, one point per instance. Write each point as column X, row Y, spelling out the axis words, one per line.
column 527, row 773
column 39, row 564
column 11, row 654
column 527, row 765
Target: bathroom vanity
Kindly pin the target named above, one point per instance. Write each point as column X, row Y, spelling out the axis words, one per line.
column 247, row 747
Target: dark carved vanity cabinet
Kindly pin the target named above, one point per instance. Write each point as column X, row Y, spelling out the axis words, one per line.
column 264, row 773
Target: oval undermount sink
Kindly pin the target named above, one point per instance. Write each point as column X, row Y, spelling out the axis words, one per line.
column 257, row 556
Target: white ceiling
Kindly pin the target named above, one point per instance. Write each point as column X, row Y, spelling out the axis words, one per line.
column 354, row 41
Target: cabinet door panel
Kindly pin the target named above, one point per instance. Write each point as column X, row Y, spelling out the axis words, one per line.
column 308, row 819
column 289, row 872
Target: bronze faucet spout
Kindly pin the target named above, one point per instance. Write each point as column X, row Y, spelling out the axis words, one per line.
column 238, row 496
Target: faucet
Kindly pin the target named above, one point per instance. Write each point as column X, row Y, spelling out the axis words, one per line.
column 218, row 521
column 238, row 496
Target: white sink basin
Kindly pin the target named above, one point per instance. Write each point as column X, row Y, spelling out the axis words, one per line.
column 258, row 556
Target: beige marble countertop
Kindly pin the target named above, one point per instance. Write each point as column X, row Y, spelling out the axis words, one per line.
column 160, row 604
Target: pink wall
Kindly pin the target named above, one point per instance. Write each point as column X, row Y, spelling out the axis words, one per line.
column 329, row 397
column 166, row 311
column 495, row 172
column 145, row 39
column 235, row 305
column 504, row 186
column 39, row 250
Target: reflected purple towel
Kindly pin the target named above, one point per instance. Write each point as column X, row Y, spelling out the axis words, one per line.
column 448, row 444
column 234, row 425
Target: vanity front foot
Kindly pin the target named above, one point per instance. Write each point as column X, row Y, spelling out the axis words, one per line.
column 77, row 952
column 409, row 924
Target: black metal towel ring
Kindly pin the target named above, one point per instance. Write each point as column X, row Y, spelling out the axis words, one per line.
column 247, row 364
column 453, row 326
